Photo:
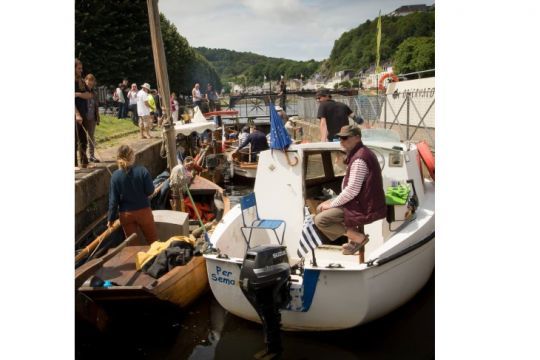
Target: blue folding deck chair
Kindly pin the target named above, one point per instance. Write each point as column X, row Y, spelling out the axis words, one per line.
column 247, row 202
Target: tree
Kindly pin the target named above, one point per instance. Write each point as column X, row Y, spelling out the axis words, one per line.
column 112, row 39
column 415, row 54
column 112, row 49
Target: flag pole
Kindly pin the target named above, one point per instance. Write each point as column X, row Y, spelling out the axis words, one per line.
column 379, row 35
column 314, row 263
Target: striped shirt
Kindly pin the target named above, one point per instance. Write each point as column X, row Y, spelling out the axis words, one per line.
column 358, row 173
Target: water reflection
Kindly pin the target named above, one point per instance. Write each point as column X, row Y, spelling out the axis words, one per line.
column 207, row 331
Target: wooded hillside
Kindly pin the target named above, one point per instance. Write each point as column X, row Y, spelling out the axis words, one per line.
column 234, row 66
column 356, row 49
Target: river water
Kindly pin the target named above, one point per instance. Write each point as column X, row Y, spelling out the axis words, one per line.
column 206, row 331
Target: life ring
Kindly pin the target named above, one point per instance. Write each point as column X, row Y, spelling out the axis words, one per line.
column 427, row 157
column 386, row 76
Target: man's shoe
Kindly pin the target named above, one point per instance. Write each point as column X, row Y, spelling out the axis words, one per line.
column 94, row 160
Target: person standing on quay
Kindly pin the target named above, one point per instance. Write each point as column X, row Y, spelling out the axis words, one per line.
column 132, row 96
column 92, row 116
column 143, row 109
column 119, row 97
column 196, row 96
column 125, row 91
column 212, row 98
column 131, row 185
column 81, row 107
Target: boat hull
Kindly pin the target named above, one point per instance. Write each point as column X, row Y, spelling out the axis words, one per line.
column 184, row 286
column 336, row 304
column 247, row 172
column 340, row 291
column 181, row 286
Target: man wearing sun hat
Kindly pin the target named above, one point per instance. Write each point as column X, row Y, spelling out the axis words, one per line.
column 361, row 200
column 143, row 109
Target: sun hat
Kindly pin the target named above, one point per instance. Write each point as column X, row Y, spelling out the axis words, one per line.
column 146, row 86
column 349, row 130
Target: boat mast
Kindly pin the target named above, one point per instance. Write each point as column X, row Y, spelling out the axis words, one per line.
column 162, row 77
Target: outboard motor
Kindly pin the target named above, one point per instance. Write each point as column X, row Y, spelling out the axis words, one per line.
column 265, row 281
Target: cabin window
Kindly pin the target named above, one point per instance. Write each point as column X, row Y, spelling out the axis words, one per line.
column 337, row 163
column 315, row 169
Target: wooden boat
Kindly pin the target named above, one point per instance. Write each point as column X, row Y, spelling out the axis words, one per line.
column 332, row 291
column 181, row 286
column 244, row 164
column 120, row 269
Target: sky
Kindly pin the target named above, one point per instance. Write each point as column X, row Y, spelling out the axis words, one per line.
column 290, row 29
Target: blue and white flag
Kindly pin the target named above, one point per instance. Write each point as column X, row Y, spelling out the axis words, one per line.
column 309, row 239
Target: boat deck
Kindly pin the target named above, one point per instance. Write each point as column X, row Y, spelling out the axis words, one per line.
column 121, row 269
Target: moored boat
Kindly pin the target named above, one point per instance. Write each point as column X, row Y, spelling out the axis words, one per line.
column 332, row 291
column 113, row 277
column 245, row 164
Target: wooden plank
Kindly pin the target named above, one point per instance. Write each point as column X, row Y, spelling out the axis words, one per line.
column 124, row 255
column 121, row 268
column 116, row 293
column 84, row 271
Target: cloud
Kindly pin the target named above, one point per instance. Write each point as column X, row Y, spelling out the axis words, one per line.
column 292, row 29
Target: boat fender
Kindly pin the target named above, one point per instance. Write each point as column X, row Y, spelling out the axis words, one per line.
column 427, row 157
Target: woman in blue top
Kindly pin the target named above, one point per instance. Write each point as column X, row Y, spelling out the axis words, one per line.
column 131, row 185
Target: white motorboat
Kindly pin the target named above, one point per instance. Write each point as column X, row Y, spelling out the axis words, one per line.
column 336, row 291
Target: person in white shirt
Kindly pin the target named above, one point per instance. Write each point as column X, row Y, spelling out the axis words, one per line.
column 119, row 97
column 143, row 109
column 196, row 95
column 132, row 96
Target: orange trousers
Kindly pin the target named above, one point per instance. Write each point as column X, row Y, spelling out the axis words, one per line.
column 143, row 219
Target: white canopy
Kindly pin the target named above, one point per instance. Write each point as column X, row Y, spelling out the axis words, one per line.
column 198, row 124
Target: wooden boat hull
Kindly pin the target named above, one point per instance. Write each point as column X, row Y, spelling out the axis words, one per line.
column 184, row 286
column 181, row 286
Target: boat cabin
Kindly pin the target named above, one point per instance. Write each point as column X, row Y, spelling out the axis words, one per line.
column 283, row 191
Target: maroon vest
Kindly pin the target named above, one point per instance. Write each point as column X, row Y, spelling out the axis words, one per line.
column 369, row 205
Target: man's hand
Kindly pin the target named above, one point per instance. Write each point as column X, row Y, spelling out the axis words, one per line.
column 78, row 119
column 324, row 206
